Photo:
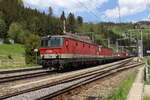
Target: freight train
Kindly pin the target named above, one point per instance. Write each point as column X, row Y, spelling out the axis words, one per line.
column 67, row 51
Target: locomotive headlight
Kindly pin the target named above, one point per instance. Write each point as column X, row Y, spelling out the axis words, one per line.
column 49, row 51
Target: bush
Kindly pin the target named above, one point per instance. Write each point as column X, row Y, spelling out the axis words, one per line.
column 32, row 43
column 7, row 41
column 148, row 61
column 16, row 33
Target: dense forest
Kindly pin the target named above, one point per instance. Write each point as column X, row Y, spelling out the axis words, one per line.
column 18, row 22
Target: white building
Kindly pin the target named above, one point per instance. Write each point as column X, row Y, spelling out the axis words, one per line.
column 1, row 41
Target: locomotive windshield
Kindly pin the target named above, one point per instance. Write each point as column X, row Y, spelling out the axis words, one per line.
column 52, row 42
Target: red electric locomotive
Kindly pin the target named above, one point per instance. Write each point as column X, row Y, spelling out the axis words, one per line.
column 107, row 52
column 61, row 50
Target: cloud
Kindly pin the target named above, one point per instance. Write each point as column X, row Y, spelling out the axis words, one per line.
column 147, row 18
column 68, row 5
column 127, row 7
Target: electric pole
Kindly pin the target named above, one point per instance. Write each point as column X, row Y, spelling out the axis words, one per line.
column 140, row 46
column 64, row 24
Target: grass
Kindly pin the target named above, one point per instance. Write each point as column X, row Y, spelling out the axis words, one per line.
column 122, row 91
column 146, row 83
column 11, row 56
column 12, row 49
column 148, row 62
column 146, row 98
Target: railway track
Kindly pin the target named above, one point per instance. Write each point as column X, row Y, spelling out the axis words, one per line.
column 61, row 86
column 86, row 80
column 29, row 75
column 19, row 70
column 23, row 76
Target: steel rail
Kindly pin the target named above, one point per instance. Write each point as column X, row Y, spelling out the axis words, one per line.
column 23, row 76
column 19, row 70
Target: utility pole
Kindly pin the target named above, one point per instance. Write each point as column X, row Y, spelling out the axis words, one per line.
column 139, row 43
column 140, row 46
column 117, row 46
column 108, row 42
column 64, row 24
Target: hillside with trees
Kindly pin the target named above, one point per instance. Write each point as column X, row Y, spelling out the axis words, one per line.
column 20, row 24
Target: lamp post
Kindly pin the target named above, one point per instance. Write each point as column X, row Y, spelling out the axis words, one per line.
column 36, row 51
column 108, row 42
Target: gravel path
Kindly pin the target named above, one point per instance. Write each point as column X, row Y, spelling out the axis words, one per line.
column 136, row 91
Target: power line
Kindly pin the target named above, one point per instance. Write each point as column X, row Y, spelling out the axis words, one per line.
column 147, row 4
column 91, row 12
column 119, row 13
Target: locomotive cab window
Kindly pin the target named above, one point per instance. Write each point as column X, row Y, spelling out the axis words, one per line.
column 55, row 42
column 44, row 43
column 52, row 42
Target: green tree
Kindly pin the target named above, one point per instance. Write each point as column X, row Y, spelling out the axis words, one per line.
column 19, row 2
column 62, row 17
column 16, row 32
column 71, row 23
column 2, row 29
column 33, row 42
column 50, row 11
column 79, row 20
column 1, row 15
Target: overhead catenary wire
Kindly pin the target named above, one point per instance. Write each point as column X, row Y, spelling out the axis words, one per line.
column 147, row 3
column 119, row 13
column 91, row 12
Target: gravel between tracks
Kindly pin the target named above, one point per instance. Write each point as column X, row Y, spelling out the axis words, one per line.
column 43, row 92
column 101, row 88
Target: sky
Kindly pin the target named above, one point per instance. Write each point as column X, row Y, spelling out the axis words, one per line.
column 97, row 10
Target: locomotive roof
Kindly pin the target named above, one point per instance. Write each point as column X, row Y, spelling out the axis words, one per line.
column 71, row 37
